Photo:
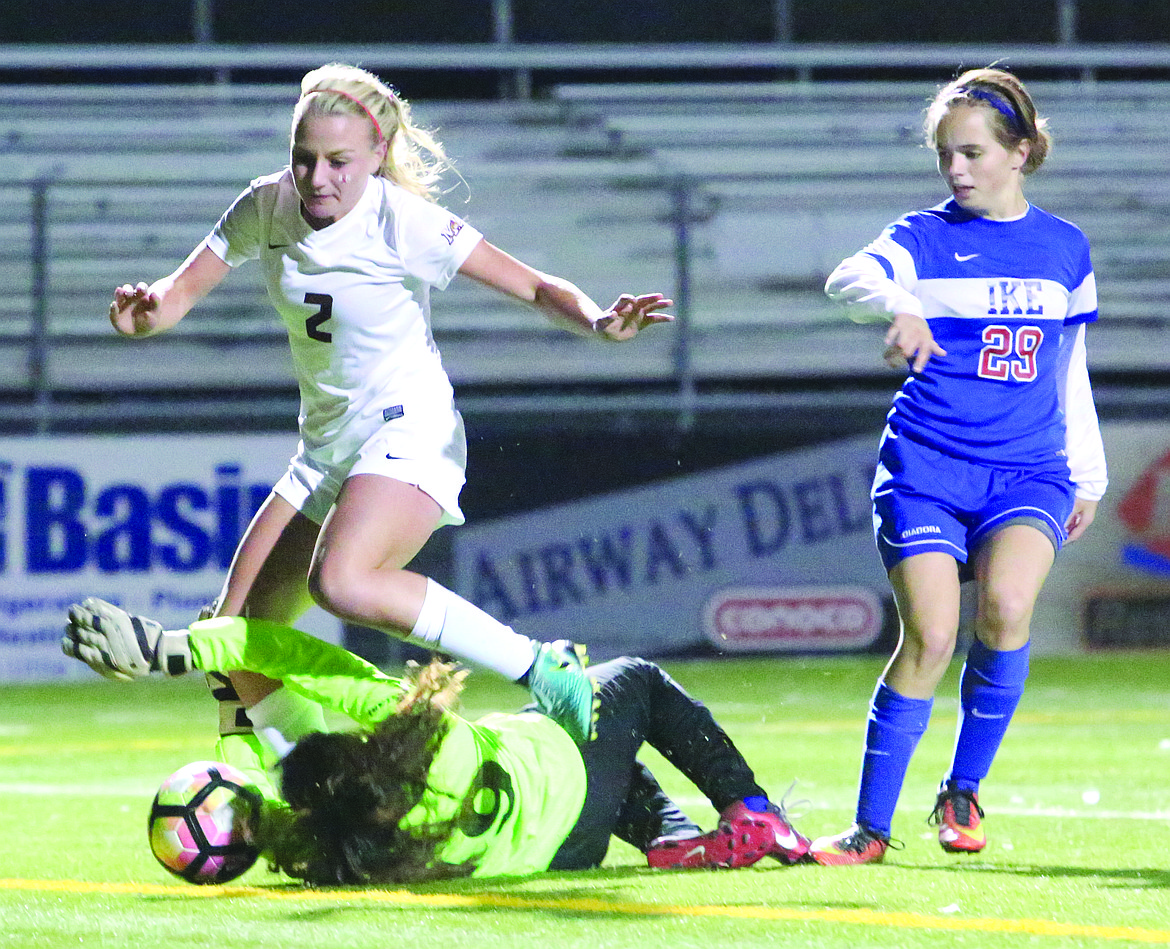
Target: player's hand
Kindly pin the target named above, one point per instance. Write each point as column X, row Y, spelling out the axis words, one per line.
column 122, row 646
column 1082, row 516
column 630, row 314
column 134, row 311
column 909, row 341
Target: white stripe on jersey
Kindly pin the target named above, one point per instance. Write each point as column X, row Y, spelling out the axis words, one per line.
column 998, row 296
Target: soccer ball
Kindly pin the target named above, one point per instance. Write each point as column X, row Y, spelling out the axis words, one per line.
column 194, row 823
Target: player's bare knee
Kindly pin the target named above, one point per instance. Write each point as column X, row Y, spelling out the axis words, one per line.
column 932, row 647
column 1003, row 613
column 332, row 588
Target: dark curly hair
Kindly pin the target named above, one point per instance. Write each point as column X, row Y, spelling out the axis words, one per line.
column 348, row 792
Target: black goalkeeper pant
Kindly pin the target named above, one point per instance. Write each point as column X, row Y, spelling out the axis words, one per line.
column 641, row 703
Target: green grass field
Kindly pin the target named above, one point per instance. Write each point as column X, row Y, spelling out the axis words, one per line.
column 79, row 765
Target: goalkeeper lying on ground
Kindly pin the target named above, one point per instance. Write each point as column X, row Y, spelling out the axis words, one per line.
column 412, row 791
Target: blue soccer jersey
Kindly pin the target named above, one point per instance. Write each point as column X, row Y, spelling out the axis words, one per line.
column 999, row 297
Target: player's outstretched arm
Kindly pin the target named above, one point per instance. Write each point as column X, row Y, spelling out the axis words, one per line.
column 563, row 303
column 143, row 310
column 120, row 645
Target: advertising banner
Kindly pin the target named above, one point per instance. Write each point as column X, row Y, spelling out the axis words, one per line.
column 148, row 523
column 1112, row 588
column 775, row 554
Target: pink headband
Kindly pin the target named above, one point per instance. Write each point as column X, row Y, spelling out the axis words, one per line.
column 360, row 104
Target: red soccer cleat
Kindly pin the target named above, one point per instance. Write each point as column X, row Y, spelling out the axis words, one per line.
column 958, row 815
column 742, row 838
column 856, row 845
column 788, row 844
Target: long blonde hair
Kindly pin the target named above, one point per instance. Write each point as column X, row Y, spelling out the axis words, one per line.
column 415, row 160
column 1011, row 113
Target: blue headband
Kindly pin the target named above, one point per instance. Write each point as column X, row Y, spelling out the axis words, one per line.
column 1000, row 105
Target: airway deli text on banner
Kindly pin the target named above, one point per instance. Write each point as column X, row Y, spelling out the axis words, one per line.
column 651, row 570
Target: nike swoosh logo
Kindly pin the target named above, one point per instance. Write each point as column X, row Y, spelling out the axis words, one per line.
column 282, row 246
column 699, row 851
column 962, row 257
column 975, row 713
column 788, row 841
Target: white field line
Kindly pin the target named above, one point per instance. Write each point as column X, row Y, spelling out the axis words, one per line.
column 138, row 790
column 123, row 789
column 1087, row 813
column 22, row 789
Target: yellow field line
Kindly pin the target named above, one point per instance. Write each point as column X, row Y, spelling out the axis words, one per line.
column 407, row 899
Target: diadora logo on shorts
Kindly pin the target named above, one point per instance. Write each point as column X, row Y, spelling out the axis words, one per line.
column 752, row 619
column 919, row 531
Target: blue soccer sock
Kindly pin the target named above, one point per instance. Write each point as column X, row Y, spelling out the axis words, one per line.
column 990, row 689
column 896, row 723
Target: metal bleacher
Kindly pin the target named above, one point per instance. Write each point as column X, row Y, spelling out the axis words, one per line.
column 738, row 198
column 800, row 175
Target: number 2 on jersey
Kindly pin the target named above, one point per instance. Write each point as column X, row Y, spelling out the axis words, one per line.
column 324, row 302
column 1007, row 353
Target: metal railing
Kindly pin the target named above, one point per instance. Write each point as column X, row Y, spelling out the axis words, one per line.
column 804, row 61
column 683, row 192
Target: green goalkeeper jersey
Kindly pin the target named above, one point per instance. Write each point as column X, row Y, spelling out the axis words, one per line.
column 514, row 783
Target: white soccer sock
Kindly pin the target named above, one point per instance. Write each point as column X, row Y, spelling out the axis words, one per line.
column 281, row 719
column 448, row 623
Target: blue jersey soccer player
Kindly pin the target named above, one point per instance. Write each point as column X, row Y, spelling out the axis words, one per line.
column 992, row 457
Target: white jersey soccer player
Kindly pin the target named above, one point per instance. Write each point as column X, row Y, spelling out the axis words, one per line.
column 355, row 299
column 351, row 242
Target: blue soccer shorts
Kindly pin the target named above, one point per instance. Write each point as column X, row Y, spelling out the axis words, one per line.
column 925, row 500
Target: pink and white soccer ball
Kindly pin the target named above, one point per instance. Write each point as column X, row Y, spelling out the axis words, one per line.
column 195, row 824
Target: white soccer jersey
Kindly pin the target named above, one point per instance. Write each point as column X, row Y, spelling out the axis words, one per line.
column 354, row 297
column 1008, row 301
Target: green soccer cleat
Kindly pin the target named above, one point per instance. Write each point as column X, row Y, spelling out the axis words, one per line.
column 562, row 690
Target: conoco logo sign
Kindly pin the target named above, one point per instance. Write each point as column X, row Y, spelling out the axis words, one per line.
column 747, row 619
